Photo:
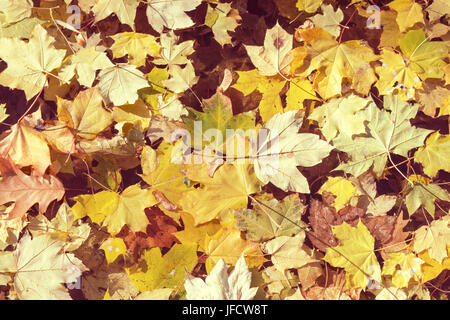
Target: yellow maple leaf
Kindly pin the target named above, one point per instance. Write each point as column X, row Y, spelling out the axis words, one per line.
column 113, row 247
column 135, row 45
column 289, row 252
column 339, row 115
column 164, row 271
column 433, row 238
column 85, row 114
column 341, row 188
column 431, row 268
column 270, row 88
column 423, row 193
column 403, row 267
column 309, row 6
column 29, row 63
column 26, row 146
column 196, row 234
column 115, row 210
column 338, row 61
column 171, row 15
column 222, row 19
column 435, row 155
column 228, row 189
column 162, row 173
column 420, row 60
column 137, row 113
column 124, row 9
column 408, row 13
column 119, row 84
column 355, row 254
column 84, row 63
column 15, row 10
column 228, row 245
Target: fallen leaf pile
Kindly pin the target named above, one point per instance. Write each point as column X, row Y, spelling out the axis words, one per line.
column 240, row 149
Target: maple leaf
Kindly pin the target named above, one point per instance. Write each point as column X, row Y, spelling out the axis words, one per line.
column 171, row 107
column 270, row 87
column 124, row 9
column 402, row 267
column 228, row 189
column 421, row 60
column 137, row 114
column 61, row 227
column 173, row 53
column 196, row 234
column 433, row 238
column 340, row 187
column 181, row 79
column 309, row 6
column 162, row 174
column 279, row 285
column 329, row 20
column 221, row 20
column 218, row 285
column 395, row 242
column 435, row 155
column 389, row 133
column 116, row 210
column 166, row 271
column 431, row 268
column 338, row 61
column 20, row 29
column 15, row 10
column 438, row 9
column 41, row 268
column 261, row 223
column 119, row 84
column 389, row 36
column 30, row 63
column 84, row 64
column 340, row 115
column 321, row 218
column 270, row 104
column 283, row 149
column 423, row 193
column 289, row 252
column 433, row 97
column 158, row 233
column 367, row 189
column 408, row 13
column 228, row 245
column 217, row 114
column 136, row 45
column 170, row 14
column 25, row 146
column 355, row 254
column 85, row 114
column 113, row 247
column 274, row 57
column 25, row 191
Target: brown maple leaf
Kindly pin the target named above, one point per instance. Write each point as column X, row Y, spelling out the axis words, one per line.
column 321, row 218
column 397, row 241
column 158, row 233
column 351, row 215
column 380, row 227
